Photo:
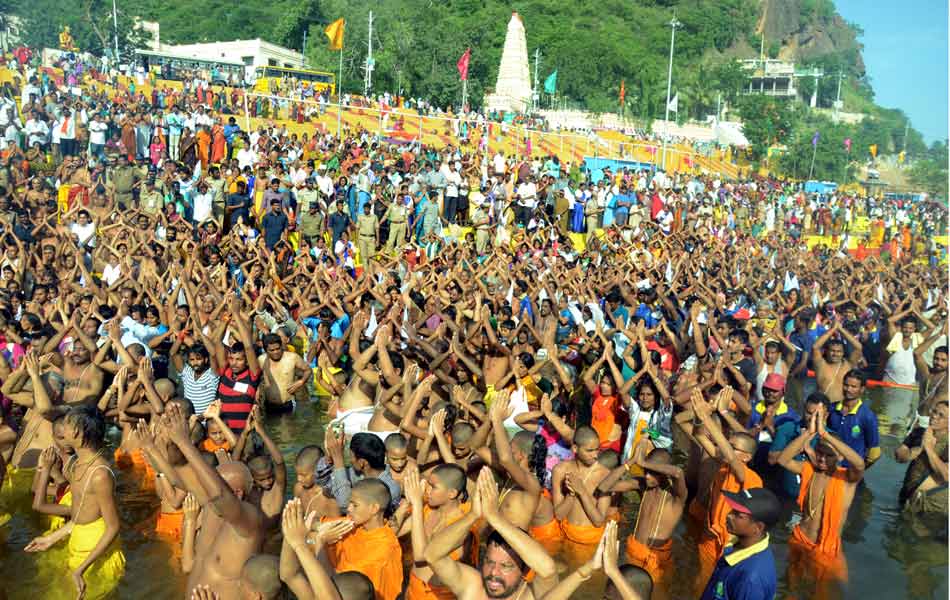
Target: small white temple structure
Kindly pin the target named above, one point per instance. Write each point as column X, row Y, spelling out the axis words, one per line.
column 512, row 91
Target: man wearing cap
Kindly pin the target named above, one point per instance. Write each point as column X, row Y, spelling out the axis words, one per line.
column 767, row 416
column 746, row 568
column 151, row 200
column 827, row 490
column 367, row 226
column 397, row 214
column 123, row 179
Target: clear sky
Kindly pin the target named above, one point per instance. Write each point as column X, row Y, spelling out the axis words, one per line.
column 905, row 54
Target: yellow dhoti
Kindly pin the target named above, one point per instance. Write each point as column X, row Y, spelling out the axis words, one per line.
column 103, row 575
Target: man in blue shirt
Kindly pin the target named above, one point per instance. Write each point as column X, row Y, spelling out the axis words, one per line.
column 174, row 122
column 274, row 224
column 746, row 569
column 853, row 421
column 788, row 432
column 767, row 417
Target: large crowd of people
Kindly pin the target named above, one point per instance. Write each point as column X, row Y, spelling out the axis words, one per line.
column 506, row 349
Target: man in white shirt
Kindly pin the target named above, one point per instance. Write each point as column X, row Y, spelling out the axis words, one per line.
column 65, row 128
column 452, row 182
column 202, row 202
column 527, row 200
column 84, row 228
column 498, row 164
column 324, row 183
column 97, row 137
column 36, row 129
column 246, row 157
column 31, row 91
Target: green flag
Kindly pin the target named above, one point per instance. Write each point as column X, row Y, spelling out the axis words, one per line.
column 550, row 84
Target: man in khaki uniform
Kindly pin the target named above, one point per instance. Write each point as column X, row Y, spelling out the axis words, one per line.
column 367, row 226
column 151, row 200
column 482, row 224
column 397, row 214
column 123, row 180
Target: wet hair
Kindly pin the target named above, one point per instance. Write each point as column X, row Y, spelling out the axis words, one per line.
column 262, row 572
column 741, row 335
column 353, row 585
column 198, row 349
column 271, row 338
column 462, row 432
column 396, row 441
column 534, row 447
column 818, row 398
column 397, row 361
column 369, row 448
column 638, row 578
column 374, row 491
column 260, row 464
column 453, row 476
column 609, row 458
column 496, row 539
column 858, row 375
column 526, row 359
column 941, row 349
column 309, row 455
column 584, row 434
column 90, row 424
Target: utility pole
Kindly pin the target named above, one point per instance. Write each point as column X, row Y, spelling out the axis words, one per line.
column 368, row 78
column 303, row 50
column 115, row 23
column 906, row 131
column 535, row 94
column 669, row 83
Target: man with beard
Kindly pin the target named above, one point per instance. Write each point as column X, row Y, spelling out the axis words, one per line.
column 933, row 379
column 853, row 421
column 509, row 554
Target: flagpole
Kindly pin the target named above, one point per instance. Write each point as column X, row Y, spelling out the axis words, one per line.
column 464, row 94
column 669, row 83
column 339, row 98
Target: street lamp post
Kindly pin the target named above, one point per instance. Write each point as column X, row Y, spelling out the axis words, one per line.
column 669, row 83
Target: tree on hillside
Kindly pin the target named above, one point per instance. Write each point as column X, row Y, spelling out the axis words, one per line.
column 930, row 172
column 766, row 121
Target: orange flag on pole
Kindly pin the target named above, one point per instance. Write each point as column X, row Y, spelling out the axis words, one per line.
column 334, row 32
column 623, row 91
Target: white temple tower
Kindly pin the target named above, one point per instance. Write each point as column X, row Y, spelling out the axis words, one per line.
column 513, row 89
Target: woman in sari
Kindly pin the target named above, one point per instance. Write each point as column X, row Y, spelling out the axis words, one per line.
column 219, row 145
column 203, row 139
column 188, row 148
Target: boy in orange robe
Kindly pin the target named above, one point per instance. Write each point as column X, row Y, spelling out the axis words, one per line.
column 734, row 475
column 825, row 495
column 203, row 138
column 372, row 547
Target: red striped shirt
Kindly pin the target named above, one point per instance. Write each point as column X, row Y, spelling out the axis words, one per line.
column 237, row 394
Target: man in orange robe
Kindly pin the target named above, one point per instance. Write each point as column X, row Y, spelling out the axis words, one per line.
column 372, row 547
column 825, row 495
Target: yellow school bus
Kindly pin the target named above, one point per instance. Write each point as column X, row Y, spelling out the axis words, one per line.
column 270, row 80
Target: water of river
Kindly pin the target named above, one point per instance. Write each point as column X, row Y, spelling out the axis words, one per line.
column 887, row 558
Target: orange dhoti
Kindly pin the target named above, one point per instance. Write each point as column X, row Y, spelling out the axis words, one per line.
column 549, row 536
column 169, row 524
column 657, row 561
column 580, row 542
column 806, row 559
column 421, row 590
column 708, row 550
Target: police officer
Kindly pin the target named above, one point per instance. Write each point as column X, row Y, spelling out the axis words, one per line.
column 367, row 226
column 397, row 214
column 482, row 224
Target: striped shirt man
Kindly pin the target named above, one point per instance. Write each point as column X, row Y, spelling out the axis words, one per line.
column 200, row 390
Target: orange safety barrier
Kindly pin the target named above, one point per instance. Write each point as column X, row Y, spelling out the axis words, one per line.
column 873, row 383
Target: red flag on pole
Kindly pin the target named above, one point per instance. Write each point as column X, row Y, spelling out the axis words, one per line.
column 462, row 64
column 622, row 91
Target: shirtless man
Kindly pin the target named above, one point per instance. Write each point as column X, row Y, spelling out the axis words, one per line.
column 313, row 478
column 827, row 490
column 231, row 528
column 509, row 555
column 932, row 379
column 519, row 499
column 663, row 497
column 269, row 474
column 830, row 363
column 285, row 376
column 29, row 386
column 581, row 512
column 94, row 526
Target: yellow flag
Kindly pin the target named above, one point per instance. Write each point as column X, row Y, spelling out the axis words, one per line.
column 901, row 157
column 873, row 149
column 334, row 32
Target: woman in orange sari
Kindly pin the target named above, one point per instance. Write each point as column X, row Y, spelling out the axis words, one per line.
column 219, row 145
column 203, row 139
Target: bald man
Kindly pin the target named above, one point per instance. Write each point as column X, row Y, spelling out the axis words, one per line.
column 231, row 528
